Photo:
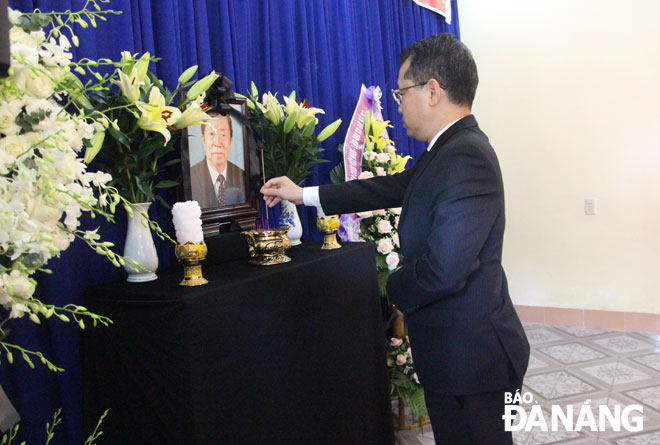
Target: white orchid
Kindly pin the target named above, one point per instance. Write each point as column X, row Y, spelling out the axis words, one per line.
column 44, row 187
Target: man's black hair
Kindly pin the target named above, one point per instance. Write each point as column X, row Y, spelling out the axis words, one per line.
column 446, row 59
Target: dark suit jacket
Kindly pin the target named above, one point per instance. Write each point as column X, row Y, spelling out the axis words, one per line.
column 465, row 335
column 203, row 190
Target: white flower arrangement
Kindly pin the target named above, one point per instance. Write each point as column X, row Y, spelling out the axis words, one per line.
column 44, row 183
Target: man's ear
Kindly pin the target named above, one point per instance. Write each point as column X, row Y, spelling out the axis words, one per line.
column 436, row 91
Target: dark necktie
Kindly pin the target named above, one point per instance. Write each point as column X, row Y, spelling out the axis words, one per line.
column 220, row 187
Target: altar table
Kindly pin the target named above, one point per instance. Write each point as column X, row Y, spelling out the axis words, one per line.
column 286, row 354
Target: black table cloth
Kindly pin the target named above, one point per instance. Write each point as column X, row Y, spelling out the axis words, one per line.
column 290, row 354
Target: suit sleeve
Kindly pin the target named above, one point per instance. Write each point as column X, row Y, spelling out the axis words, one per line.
column 463, row 211
column 380, row 192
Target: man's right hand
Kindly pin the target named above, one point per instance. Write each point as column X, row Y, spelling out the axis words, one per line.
column 281, row 188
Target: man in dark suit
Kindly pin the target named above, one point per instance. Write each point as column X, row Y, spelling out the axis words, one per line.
column 215, row 181
column 468, row 342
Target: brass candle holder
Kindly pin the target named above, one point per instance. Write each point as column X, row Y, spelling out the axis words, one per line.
column 191, row 255
column 267, row 246
column 329, row 225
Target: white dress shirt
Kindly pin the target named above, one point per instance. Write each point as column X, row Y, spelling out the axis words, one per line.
column 214, row 173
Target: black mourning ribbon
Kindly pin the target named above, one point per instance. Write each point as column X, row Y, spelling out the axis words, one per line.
column 219, row 97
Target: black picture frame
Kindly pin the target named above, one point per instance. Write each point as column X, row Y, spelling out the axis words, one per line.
column 216, row 218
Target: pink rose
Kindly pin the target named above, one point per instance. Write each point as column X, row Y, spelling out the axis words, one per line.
column 395, row 238
column 366, row 175
column 384, row 226
column 383, row 157
column 369, row 155
column 380, row 171
column 396, row 221
column 392, row 259
column 396, row 342
column 396, row 211
column 366, row 214
column 380, row 212
column 400, row 359
column 385, row 246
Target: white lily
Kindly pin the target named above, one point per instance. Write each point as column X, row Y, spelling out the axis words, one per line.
column 271, row 108
column 193, row 115
column 304, row 115
column 129, row 85
column 156, row 116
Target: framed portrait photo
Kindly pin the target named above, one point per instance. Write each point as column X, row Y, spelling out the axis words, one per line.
column 216, row 162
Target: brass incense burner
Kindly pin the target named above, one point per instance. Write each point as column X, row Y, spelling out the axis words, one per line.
column 267, row 246
column 329, row 225
column 191, row 255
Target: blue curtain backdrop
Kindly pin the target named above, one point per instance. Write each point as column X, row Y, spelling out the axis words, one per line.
column 323, row 49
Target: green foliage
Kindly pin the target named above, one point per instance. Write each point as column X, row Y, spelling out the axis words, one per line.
column 403, row 378
column 28, row 121
column 9, row 436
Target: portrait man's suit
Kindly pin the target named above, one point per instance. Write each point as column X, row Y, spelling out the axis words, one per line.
column 465, row 335
column 203, row 189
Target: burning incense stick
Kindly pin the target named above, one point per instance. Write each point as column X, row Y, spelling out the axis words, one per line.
column 263, row 173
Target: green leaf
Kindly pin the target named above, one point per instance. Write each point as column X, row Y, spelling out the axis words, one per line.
column 337, row 174
column 162, row 150
column 150, row 146
column 148, row 193
column 162, row 201
column 171, row 162
column 166, row 184
column 120, row 137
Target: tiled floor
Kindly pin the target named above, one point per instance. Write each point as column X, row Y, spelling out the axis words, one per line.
column 571, row 365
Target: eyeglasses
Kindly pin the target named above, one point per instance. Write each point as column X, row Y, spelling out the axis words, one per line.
column 396, row 94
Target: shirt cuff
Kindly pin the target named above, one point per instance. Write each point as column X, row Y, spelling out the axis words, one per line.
column 311, row 198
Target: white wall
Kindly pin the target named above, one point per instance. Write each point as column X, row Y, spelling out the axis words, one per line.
column 569, row 95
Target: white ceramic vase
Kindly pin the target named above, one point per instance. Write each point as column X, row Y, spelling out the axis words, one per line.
column 140, row 246
column 289, row 215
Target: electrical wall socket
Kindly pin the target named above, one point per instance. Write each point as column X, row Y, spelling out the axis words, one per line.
column 590, row 206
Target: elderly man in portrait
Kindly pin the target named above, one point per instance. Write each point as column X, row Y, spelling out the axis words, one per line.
column 215, row 180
